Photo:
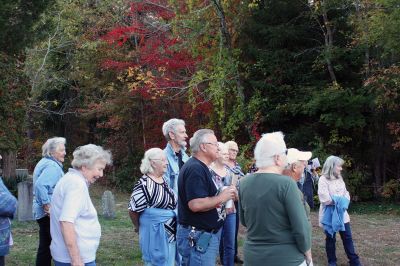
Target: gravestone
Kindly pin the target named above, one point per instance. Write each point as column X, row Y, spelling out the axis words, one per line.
column 25, row 198
column 108, row 203
column 21, row 173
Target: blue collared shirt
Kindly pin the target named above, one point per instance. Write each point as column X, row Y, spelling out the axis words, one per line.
column 47, row 173
column 173, row 166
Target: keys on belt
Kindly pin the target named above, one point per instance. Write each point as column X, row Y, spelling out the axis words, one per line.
column 192, row 241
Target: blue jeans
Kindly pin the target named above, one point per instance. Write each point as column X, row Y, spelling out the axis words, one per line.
column 330, row 246
column 227, row 245
column 171, row 255
column 57, row 263
column 192, row 257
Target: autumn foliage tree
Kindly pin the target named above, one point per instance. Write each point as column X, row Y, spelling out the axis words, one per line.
column 152, row 70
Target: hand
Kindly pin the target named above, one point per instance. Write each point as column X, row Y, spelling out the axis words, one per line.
column 77, row 262
column 230, row 210
column 308, row 257
column 228, row 193
column 46, row 208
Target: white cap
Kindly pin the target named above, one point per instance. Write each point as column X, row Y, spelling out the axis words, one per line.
column 295, row 155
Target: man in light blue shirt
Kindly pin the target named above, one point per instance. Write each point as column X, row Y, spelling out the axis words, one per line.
column 175, row 133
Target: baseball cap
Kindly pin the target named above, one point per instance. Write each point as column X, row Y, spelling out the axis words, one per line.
column 295, row 155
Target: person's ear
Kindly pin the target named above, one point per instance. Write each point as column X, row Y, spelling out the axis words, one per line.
column 204, row 147
column 171, row 135
column 276, row 159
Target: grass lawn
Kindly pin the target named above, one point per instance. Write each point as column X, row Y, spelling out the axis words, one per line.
column 376, row 232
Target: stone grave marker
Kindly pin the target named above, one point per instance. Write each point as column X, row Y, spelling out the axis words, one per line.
column 108, row 204
column 25, row 198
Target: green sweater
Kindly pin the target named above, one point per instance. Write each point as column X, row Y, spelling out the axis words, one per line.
column 278, row 231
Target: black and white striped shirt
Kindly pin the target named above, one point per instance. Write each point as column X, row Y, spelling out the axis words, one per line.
column 149, row 194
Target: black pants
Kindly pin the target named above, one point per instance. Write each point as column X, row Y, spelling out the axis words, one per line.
column 2, row 262
column 43, row 257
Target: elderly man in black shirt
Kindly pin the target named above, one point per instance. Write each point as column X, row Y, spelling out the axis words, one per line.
column 200, row 204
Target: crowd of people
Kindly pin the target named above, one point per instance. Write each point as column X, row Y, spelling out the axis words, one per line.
column 186, row 209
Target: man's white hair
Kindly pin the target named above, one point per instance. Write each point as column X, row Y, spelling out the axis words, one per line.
column 170, row 126
column 198, row 138
column 269, row 145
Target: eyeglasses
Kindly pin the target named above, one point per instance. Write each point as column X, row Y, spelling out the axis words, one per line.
column 233, row 150
column 211, row 143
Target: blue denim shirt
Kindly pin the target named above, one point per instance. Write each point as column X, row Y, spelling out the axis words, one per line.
column 8, row 205
column 47, row 173
column 173, row 166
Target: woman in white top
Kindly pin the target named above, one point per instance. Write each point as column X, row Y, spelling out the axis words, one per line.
column 74, row 227
column 331, row 184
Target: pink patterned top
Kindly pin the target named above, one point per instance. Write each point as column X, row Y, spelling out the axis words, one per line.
column 328, row 188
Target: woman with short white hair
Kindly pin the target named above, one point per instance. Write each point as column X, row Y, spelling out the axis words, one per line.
column 278, row 232
column 75, row 229
column 46, row 175
column 152, row 210
column 332, row 191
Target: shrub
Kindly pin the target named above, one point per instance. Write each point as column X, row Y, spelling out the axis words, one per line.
column 391, row 190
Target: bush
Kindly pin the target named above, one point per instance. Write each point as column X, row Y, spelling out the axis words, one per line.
column 355, row 183
column 391, row 190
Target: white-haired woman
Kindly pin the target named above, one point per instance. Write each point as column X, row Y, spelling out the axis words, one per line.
column 75, row 229
column 152, row 211
column 222, row 177
column 278, row 232
column 47, row 173
column 332, row 193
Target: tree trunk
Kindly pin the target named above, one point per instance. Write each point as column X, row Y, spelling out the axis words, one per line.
column 9, row 164
column 227, row 42
column 328, row 37
column 379, row 158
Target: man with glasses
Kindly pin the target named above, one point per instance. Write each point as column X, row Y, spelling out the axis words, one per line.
column 175, row 133
column 235, row 168
column 200, row 204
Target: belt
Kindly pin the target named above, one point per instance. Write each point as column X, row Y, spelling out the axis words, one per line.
column 212, row 231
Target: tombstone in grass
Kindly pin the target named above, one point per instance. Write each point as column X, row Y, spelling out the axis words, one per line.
column 108, row 203
column 25, row 198
column 21, row 173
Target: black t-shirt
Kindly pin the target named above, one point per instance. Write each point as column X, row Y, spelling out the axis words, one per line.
column 195, row 181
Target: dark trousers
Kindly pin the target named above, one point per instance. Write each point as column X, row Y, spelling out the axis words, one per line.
column 330, row 246
column 237, row 228
column 2, row 261
column 43, row 257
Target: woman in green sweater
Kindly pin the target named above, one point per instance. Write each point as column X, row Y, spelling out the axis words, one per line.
column 278, row 231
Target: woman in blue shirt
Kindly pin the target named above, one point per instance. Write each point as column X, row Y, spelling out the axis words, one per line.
column 47, row 173
column 8, row 205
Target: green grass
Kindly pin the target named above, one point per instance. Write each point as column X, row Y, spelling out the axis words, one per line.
column 375, row 226
column 375, row 207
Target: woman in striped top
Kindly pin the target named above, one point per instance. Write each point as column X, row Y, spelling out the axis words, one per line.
column 152, row 205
